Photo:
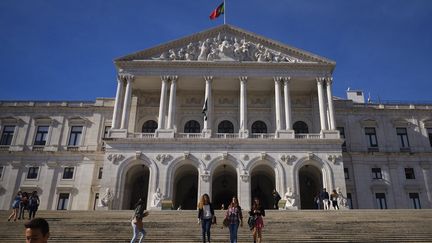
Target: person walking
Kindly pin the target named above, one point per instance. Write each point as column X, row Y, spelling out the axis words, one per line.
column 23, row 205
column 205, row 216
column 317, row 201
column 257, row 213
column 276, row 199
column 235, row 218
column 137, row 221
column 15, row 206
column 33, row 204
column 334, row 199
column 325, row 199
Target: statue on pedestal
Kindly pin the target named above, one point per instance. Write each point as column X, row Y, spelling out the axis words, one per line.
column 342, row 200
column 157, row 199
column 291, row 199
column 106, row 199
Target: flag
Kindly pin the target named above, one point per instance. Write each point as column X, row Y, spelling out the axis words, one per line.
column 204, row 110
column 218, row 11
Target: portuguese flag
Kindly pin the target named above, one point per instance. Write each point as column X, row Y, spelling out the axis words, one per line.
column 218, row 11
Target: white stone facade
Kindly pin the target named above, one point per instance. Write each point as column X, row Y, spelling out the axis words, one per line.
column 223, row 112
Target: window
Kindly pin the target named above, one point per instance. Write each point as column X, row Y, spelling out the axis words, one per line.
column 349, row 200
column 225, row 127
column 376, row 173
column 192, row 127
column 106, row 131
column 300, row 127
column 33, row 172
column 7, row 135
column 63, row 201
column 371, row 137
column 68, row 172
column 75, row 136
column 100, row 173
column 415, row 200
column 149, row 126
column 403, row 137
column 346, row 172
column 96, row 200
column 259, row 127
column 429, row 131
column 1, row 172
column 381, row 200
column 409, row 173
column 342, row 135
column 41, row 135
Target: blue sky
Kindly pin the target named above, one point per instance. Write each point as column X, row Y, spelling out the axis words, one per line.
column 64, row 50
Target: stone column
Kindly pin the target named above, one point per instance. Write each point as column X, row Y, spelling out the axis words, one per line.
column 277, row 81
column 287, row 99
column 118, row 102
column 425, row 166
column 172, row 102
column 243, row 107
column 208, row 106
column 329, row 82
column 127, row 100
column 162, row 106
column 320, row 82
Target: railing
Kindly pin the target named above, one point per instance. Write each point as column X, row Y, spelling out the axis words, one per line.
column 262, row 135
column 307, row 136
column 38, row 147
column 189, row 135
column 227, row 135
column 141, row 135
column 4, row 147
column 256, row 136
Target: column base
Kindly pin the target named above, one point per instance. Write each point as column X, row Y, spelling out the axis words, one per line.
column 207, row 133
column 243, row 133
column 117, row 133
column 285, row 134
column 165, row 133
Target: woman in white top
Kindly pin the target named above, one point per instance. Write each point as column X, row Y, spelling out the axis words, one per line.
column 205, row 216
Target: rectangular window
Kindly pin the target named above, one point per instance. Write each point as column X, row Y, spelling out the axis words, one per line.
column 96, row 200
column 342, row 135
column 68, row 172
column 376, row 173
column 41, row 135
column 409, row 173
column 1, row 172
column 75, row 136
column 346, row 172
column 403, row 137
column 100, row 173
column 106, row 131
column 415, row 200
column 381, row 200
column 371, row 137
column 7, row 135
column 349, row 200
column 63, row 201
column 429, row 130
column 33, row 172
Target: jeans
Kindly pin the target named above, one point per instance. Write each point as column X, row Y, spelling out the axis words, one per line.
column 136, row 232
column 206, row 224
column 21, row 212
column 233, row 232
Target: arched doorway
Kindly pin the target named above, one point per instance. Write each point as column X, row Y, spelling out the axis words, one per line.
column 136, row 186
column 310, row 180
column 300, row 127
column 262, row 185
column 224, row 185
column 185, row 187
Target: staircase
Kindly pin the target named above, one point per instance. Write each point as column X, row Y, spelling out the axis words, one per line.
column 280, row 226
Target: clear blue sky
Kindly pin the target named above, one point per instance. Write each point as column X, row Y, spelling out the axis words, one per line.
column 64, row 49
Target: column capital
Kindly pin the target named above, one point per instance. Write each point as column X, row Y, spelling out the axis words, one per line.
column 208, row 78
column 329, row 80
column 320, row 80
column 287, row 79
column 173, row 78
column 126, row 77
column 243, row 79
column 278, row 79
column 165, row 78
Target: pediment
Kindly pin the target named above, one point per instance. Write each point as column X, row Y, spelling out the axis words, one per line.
column 227, row 44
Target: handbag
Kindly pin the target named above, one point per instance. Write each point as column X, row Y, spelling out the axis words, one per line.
column 214, row 220
column 226, row 222
column 251, row 222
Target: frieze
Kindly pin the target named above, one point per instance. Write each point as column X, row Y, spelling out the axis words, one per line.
column 334, row 158
column 115, row 158
column 288, row 158
column 164, row 158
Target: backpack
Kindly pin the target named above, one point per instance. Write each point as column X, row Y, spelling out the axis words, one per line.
column 33, row 202
column 139, row 210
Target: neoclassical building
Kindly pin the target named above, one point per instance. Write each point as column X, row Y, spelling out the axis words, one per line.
column 224, row 112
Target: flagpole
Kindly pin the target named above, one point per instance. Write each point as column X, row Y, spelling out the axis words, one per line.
column 224, row 11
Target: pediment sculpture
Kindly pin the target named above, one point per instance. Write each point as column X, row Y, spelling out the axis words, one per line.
column 226, row 49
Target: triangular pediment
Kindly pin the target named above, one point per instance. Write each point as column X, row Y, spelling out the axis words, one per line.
column 226, row 43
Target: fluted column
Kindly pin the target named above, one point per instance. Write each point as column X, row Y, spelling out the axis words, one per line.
column 320, row 82
column 243, row 103
column 127, row 101
column 329, row 82
column 172, row 102
column 277, row 81
column 162, row 105
column 287, row 99
column 118, row 103
column 208, row 104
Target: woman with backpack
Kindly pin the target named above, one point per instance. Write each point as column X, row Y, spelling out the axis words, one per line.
column 235, row 218
column 33, row 204
column 137, row 221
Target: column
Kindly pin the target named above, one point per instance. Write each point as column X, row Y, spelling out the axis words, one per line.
column 277, row 81
column 208, row 104
column 329, row 82
column 243, row 105
column 425, row 166
column 117, row 104
column 172, row 102
column 287, row 99
column 162, row 106
column 320, row 82
column 127, row 100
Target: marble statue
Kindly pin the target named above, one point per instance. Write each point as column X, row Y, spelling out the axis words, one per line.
column 342, row 200
column 291, row 199
column 107, row 198
column 157, row 199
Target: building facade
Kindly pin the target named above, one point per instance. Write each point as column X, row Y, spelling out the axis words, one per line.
column 224, row 112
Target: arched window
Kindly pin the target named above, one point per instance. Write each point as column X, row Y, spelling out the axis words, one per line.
column 149, row 126
column 300, row 127
column 225, row 127
column 192, row 126
column 259, row 127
